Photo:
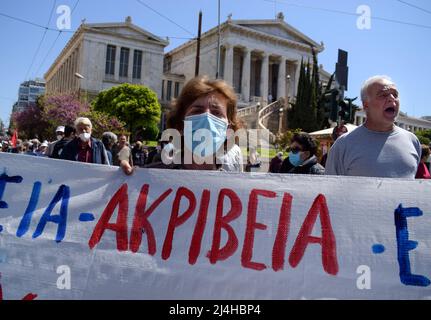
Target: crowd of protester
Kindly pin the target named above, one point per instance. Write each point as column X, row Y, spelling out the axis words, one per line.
column 137, row 153
column 378, row 148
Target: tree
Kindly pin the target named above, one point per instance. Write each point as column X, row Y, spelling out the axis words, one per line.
column 29, row 122
column 308, row 112
column 103, row 122
column 304, row 112
column 41, row 119
column 136, row 105
column 2, row 128
column 293, row 117
column 149, row 133
column 60, row 110
column 284, row 140
column 424, row 136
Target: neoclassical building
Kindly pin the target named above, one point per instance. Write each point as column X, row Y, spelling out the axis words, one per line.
column 260, row 58
column 102, row 55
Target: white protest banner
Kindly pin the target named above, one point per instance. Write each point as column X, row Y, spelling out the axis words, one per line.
column 81, row 231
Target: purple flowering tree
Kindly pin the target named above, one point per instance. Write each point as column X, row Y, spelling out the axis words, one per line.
column 42, row 118
column 29, row 122
column 103, row 122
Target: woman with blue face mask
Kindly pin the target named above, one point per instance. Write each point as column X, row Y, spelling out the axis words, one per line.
column 202, row 115
column 302, row 156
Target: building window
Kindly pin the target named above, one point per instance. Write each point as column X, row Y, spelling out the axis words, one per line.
column 163, row 89
column 169, row 90
column 110, row 60
column 124, row 62
column 177, row 89
column 23, row 90
column 137, row 64
column 167, row 61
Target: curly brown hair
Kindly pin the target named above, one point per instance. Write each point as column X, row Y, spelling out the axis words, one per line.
column 196, row 88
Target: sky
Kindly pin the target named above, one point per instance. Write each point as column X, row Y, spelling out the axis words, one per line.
column 394, row 43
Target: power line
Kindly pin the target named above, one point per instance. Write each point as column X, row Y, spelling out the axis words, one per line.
column 41, row 40
column 28, row 22
column 414, row 6
column 350, row 14
column 163, row 16
column 49, row 51
column 74, row 7
column 55, row 41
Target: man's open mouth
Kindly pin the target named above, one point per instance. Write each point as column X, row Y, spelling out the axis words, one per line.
column 390, row 111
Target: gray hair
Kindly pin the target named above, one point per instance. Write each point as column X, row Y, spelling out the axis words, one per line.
column 109, row 138
column 366, row 85
column 84, row 121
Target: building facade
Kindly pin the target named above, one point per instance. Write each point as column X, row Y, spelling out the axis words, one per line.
column 260, row 58
column 28, row 93
column 102, row 55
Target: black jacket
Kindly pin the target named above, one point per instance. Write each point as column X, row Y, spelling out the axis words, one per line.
column 71, row 149
column 58, row 148
column 310, row 166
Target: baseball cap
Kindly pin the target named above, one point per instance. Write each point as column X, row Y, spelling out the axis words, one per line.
column 60, row 128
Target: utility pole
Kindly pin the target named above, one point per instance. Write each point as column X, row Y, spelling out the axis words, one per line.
column 218, row 43
column 198, row 50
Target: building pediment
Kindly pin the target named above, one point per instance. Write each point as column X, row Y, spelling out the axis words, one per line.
column 127, row 30
column 278, row 28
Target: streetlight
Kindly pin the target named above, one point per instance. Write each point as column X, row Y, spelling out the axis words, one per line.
column 288, row 87
column 78, row 75
column 280, row 121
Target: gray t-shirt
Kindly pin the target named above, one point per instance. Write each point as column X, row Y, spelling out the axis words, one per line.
column 367, row 153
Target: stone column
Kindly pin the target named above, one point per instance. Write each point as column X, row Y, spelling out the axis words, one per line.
column 117, row 63
column 130, row 69
column 245, row 81
column 228, row 64
column 281, row 81
column 264, row 77
column 295, row 83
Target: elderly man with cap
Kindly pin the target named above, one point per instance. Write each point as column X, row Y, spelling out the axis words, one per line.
column 59, row 132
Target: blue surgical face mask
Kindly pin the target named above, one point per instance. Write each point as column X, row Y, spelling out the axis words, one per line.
column 214, row 129
column 295, row 159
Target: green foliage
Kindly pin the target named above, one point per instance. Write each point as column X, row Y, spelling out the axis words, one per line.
column 424, row 136
column 41, row 119
column 103, row 122
column 147, row 133
column 308, row 112
column 137, row 106
column 283, row 141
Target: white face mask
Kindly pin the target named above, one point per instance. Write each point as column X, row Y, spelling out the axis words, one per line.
column 85, row 136
column 59, row 137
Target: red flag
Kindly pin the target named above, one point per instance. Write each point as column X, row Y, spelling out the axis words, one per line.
column 14, row 138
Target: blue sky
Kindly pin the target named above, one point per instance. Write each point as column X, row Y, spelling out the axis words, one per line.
column 398, row 50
